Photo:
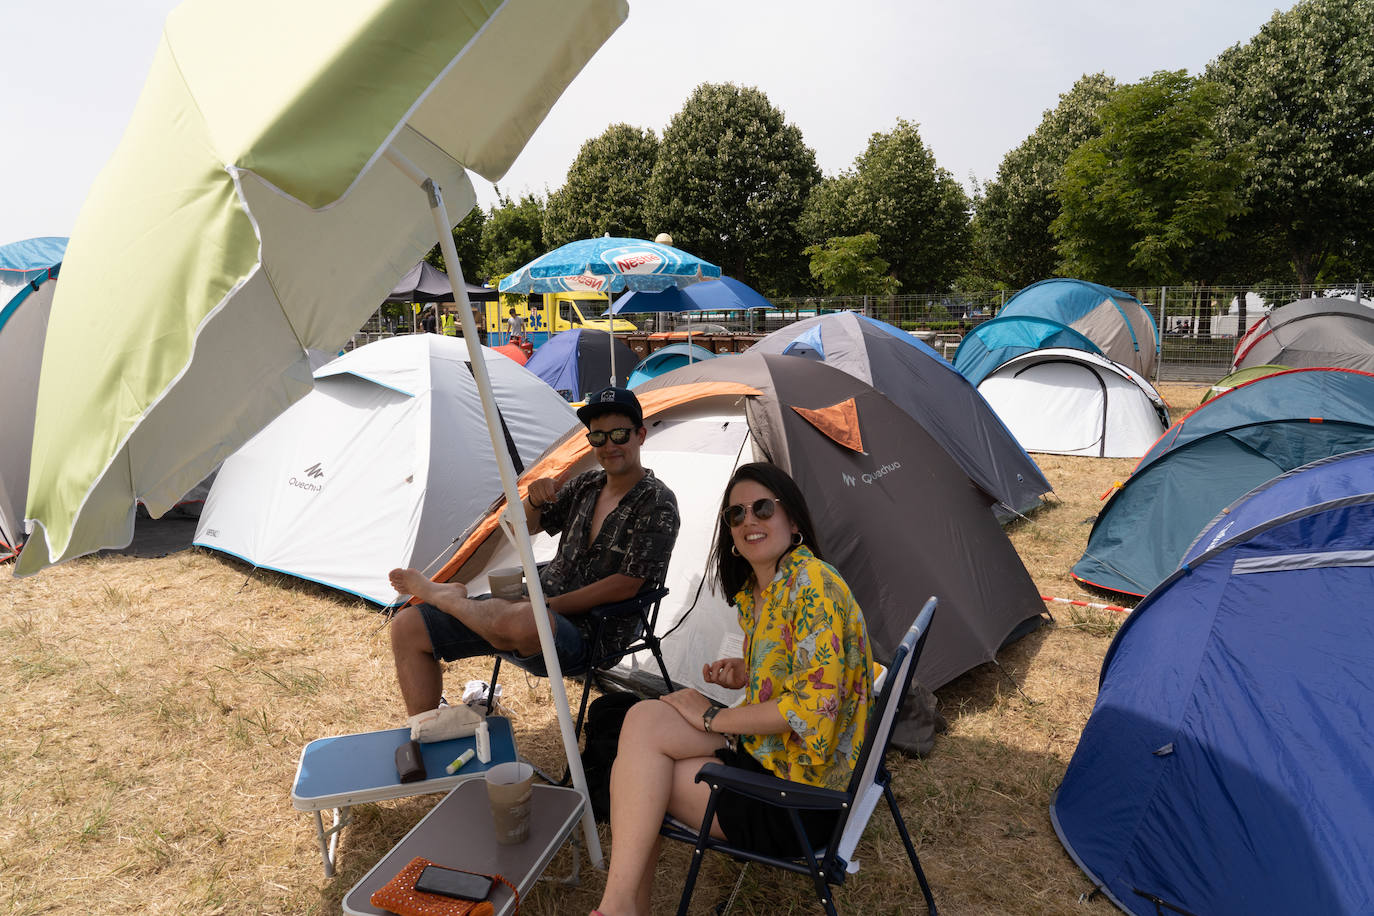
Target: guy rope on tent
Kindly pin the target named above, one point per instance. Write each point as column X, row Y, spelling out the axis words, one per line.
column 1077, row 603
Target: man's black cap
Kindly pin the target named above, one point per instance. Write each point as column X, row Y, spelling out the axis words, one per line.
column 611, row 400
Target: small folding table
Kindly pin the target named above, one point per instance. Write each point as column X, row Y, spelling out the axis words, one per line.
column 458, row 833
column 348, row 770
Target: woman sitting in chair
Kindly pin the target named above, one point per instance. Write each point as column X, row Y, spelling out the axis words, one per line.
column 808, row 674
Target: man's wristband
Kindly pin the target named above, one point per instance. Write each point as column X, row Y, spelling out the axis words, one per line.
column 708, row 717
column 537, row 507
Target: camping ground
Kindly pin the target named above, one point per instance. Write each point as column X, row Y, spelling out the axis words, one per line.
column 155, row 710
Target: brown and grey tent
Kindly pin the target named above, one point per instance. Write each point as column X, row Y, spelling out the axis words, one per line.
column 918, row 380
column 896, row 515
column 1337, row 333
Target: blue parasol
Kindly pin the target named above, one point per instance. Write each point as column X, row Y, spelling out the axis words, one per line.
column 723, row 295
column 609, row 265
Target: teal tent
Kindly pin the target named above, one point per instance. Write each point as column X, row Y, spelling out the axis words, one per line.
column 666, row 359
column 1062, row 312
column 1228, row 446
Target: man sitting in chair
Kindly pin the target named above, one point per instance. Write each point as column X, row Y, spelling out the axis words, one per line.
column 618, row 528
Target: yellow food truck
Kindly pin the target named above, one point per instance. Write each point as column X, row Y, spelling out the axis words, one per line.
column 548, row 314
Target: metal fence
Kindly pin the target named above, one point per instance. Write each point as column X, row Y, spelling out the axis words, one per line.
column 1198, row 324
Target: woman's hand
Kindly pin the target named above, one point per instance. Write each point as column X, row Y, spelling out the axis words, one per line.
column 690, row 704
column 729, row 673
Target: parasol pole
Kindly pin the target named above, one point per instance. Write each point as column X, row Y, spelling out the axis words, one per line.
column 610, row 329
column 513, row 521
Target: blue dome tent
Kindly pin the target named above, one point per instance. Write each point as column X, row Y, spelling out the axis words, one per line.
column 1062, row 312
column 576, row 363
column 666, row 359
column 1229, row 445
column 1225, row 767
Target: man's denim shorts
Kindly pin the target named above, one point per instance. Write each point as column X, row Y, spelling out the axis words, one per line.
column 452, row 640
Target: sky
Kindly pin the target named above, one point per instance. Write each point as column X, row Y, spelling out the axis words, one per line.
column 975, row 76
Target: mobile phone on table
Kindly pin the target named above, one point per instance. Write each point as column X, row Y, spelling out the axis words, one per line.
column 450, row 882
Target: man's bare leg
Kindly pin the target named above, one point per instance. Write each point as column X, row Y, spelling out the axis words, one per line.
column 507, row 625
column 417, row 670
column 443, row 595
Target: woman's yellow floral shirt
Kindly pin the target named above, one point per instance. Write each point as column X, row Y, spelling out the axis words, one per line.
column 806, row 646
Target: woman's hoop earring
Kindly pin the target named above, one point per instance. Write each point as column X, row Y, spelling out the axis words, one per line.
column 734, row 550
column 797, row 538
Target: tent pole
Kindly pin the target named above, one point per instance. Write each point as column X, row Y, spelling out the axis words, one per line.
column 514, row 520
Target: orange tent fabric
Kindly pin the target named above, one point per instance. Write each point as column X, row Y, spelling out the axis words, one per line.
column 839, row 422
column 567, row 453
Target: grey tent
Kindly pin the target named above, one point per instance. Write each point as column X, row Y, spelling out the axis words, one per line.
column 899, row 519
column 1311, row 332
column 918, row 380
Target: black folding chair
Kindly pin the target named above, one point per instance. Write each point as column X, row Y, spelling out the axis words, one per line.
column 827, row 865
column 640, row 615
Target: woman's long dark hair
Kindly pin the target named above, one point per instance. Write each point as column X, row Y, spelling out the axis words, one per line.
column 730, row 573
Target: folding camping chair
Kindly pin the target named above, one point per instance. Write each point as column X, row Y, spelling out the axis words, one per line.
column 644, row 606
column 829, row 864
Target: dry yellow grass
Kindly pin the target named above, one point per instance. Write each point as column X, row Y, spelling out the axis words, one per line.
column 154, row 712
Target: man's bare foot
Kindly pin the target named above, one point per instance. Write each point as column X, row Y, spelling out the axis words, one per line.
column 414, row 582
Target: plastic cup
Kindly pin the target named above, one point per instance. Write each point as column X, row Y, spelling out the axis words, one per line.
column 507, row 583
column 509, row 792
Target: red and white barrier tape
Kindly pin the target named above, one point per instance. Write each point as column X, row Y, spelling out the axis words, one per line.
column 1100, row 607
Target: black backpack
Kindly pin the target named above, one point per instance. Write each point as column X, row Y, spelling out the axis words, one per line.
column 605, row 716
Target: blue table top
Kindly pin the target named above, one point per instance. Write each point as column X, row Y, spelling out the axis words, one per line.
column 348, row 769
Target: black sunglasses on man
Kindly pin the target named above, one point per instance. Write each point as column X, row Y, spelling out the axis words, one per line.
column 620, row 435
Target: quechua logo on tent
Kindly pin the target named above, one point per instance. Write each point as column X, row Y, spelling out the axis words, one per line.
column 315, row 472
column 850, row 480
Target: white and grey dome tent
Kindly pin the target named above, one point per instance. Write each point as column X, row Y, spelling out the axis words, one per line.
column 1063, row 401
column 381, row 466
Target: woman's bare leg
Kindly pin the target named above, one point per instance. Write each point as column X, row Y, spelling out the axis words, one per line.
column 659, row 756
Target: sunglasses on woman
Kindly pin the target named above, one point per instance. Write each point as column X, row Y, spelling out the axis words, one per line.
column 620, row 435
column 763, row 510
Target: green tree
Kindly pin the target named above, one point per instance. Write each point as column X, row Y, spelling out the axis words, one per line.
column 1301, row 95
column 605, row 189
column 897, row 192
column 513, row 235
column 730, row 182
column 851, row 266
column 467, row 239
column 1137, row 200
column 829, row 209
column 1011, row 224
